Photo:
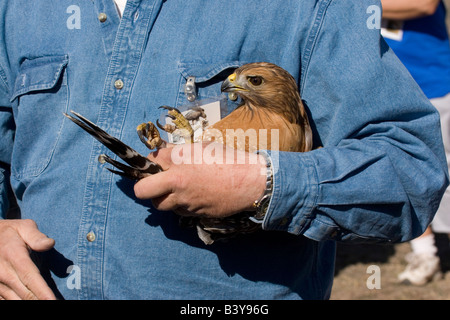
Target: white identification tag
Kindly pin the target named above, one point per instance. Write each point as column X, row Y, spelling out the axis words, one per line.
column 200, row 116
column 392, row 29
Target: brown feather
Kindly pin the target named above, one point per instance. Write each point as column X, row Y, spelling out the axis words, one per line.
column 274, row 107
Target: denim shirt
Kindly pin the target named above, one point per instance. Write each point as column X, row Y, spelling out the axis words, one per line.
column 379, row 176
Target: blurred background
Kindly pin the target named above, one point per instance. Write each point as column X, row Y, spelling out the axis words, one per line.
column 447, row 4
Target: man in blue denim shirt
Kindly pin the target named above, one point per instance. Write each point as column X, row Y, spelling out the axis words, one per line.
column 379, row 176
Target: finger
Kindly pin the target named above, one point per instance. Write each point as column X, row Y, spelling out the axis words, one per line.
column 20, row 274
column 11, row 285
column 23, row 276
column 165, row 203
column 35, row 239
column 7, row 294
column 155, row 186
column 163, row 157
column 33, row 285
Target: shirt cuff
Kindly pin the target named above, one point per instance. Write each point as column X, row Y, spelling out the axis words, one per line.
column 295, row 192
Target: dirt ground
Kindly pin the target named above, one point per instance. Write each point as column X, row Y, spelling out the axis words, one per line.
column 353, row 272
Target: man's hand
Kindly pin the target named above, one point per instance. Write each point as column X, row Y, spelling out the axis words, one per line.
column 193, row 184
column 19, row 276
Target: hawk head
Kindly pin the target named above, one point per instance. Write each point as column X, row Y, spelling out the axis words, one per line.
column 266, row 85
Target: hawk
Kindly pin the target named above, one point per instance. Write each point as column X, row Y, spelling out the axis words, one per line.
column 270, row 101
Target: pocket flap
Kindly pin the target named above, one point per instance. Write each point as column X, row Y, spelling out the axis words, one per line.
column 40, row 73
column 204, row 71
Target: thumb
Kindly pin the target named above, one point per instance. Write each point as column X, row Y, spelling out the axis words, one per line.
column 31, row 235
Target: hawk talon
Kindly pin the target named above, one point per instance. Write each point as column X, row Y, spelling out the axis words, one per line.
column 150, row 136
column 167, row 127
column 175, row 110
column 180, row 122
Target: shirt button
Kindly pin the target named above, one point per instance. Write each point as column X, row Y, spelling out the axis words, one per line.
column 90, row 236
column 118, row 84
column 102, row 17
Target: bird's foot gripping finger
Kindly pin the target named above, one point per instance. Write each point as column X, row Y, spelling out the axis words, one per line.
column 180, row 124
column 149, row 135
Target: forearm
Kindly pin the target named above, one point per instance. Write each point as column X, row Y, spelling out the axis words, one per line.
column 382, row 171
column 355, row 192
column 408, row 9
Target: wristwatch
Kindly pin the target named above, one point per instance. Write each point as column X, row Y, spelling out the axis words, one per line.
column 262, row 204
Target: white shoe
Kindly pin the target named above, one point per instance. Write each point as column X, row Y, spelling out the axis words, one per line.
column 421, row 269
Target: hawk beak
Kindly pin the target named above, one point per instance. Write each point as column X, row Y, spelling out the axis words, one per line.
column 230, row 84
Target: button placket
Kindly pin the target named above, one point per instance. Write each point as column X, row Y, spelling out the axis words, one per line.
column 123, row 41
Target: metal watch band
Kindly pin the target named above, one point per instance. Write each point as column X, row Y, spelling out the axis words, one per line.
column 262, row 204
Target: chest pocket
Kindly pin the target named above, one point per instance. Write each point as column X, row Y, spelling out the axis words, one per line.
column 206, row 79
column 40, row 96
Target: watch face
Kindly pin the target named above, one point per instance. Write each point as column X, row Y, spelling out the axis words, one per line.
column 263, row 206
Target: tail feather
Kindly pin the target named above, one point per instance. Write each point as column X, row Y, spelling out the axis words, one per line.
column 137, row 162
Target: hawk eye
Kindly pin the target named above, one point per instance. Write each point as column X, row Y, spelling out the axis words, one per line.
column 255, row 80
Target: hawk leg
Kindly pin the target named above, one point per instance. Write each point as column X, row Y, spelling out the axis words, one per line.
column 150, row 136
